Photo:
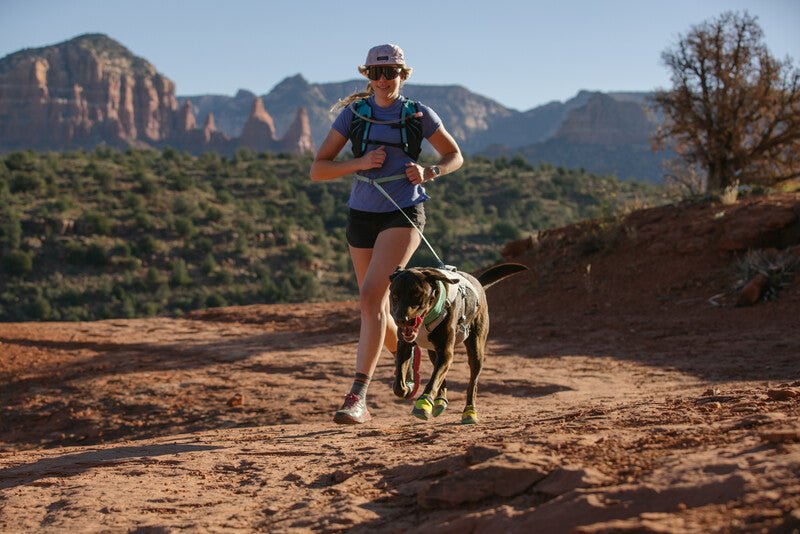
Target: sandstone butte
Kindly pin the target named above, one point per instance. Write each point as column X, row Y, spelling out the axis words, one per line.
column 92, row 90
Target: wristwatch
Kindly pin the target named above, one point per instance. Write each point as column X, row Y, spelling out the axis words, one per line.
column 436, row 170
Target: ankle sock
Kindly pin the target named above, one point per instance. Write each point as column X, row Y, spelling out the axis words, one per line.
column 360, row 385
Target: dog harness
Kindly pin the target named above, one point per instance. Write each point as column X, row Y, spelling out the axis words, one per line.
column 460, row 299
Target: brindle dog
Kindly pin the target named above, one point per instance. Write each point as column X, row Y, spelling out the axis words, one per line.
column 462, row 316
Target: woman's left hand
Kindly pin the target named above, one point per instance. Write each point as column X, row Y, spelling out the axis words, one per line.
column 415, row 173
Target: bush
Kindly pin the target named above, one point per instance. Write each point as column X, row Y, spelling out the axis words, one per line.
column 184, row 227
column 146, row 245
column 504, row 231
column 97, row 255
column 10, row 232
column 180, row 274
column 215, row 301
column 99, row 223
column 179, row 182
column 18, row 263
column 26, row 183
column 40, row 308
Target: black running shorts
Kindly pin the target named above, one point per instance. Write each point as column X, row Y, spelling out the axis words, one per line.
column 363, row 227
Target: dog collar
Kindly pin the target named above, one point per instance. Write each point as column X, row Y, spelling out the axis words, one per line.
column 438, row 309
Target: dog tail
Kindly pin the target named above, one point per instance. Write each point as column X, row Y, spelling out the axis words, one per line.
column 498, row 272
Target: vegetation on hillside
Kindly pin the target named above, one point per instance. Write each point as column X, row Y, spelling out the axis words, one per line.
column 102, row 234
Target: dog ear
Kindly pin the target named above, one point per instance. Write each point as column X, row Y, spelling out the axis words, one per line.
column 432, row 275
column 395, row 273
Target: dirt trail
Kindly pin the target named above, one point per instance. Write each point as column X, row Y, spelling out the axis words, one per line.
column 619, row 400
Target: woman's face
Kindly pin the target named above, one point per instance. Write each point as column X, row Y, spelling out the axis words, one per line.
column 388, row 89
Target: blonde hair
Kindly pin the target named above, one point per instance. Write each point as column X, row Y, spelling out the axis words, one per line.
column 367, row 92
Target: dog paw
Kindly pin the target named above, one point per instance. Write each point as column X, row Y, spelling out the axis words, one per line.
column 423, row 408
column 439, row 406
column 469, row 416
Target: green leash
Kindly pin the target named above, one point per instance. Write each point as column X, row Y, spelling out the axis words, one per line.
column 377, row 183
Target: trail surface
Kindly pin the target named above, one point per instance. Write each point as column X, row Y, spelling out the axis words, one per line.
column 615, row 398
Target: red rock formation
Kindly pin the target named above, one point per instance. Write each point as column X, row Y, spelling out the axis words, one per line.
column 80, row 92
column 259, row 130
column 92, row 90
column 209, row 128
column 186, row 121
column 297, row 138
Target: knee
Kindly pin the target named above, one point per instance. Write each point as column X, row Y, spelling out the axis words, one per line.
column 373, row 299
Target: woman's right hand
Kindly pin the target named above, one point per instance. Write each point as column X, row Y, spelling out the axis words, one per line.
column 372, row 159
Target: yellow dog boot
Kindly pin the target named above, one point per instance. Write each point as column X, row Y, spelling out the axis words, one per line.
column 439, row 406
column 469, row 416
column 423, row 408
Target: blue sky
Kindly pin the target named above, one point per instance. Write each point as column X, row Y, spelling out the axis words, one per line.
column 520, row 53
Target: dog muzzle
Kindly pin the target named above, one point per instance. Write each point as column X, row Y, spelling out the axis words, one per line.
column 410, row 329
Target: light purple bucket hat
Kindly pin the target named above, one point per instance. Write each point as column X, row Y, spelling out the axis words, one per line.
column 385, row 54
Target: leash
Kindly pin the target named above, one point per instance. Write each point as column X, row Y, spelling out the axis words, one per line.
column 377, row 183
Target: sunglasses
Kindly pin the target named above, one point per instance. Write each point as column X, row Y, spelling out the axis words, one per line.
column 390, row 73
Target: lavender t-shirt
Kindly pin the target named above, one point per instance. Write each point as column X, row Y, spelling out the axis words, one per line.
column 365, row 196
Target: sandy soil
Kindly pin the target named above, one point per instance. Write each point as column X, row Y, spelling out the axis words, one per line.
column 617, row 398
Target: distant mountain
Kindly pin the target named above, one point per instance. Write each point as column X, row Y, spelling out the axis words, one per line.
column 91, row 90
column 606, row 133
column 600, row 132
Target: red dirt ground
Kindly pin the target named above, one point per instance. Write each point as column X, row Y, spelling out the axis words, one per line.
column 624, row 392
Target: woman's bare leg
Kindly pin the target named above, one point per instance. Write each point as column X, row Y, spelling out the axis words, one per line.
column 394, row 247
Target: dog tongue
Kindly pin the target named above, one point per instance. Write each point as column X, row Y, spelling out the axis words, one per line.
column 417, row 321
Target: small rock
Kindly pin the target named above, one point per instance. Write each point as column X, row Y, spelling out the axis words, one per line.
column 236, row 400
column 567, row 478
column 782, row 394
column 780, row 436
column 752, row 291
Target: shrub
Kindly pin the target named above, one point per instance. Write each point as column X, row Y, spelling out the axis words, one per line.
column 504, row 231
column 213, row 214
column 179, row 182
column 10, row 232
column 209, row 264
column 146, row 244
column 97, row 255
column 25, row 183
column 184, row 227
column 75, row 253
column 21, row 161
column 180, row 274
column 18, row 263
column 40, row 308
column 215, row 301
column 99, row 223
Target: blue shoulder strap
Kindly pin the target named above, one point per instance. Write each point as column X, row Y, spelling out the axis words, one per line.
column 363, row 108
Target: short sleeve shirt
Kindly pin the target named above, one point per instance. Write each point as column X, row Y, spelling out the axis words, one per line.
column 365, row 196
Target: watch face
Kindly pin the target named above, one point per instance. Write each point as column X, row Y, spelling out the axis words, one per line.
column 436, row 170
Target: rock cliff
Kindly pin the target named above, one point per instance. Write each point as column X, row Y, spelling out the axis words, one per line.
column 86, row 90
column 92, row 90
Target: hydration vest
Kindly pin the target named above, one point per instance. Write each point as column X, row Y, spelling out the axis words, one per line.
column 409, row 125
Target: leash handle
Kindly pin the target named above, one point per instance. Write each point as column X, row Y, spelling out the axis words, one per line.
column 383, row 191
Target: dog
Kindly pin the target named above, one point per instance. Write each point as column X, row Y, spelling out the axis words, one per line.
column 435, row 309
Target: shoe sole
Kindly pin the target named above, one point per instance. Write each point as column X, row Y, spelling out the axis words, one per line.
column 345, row 419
